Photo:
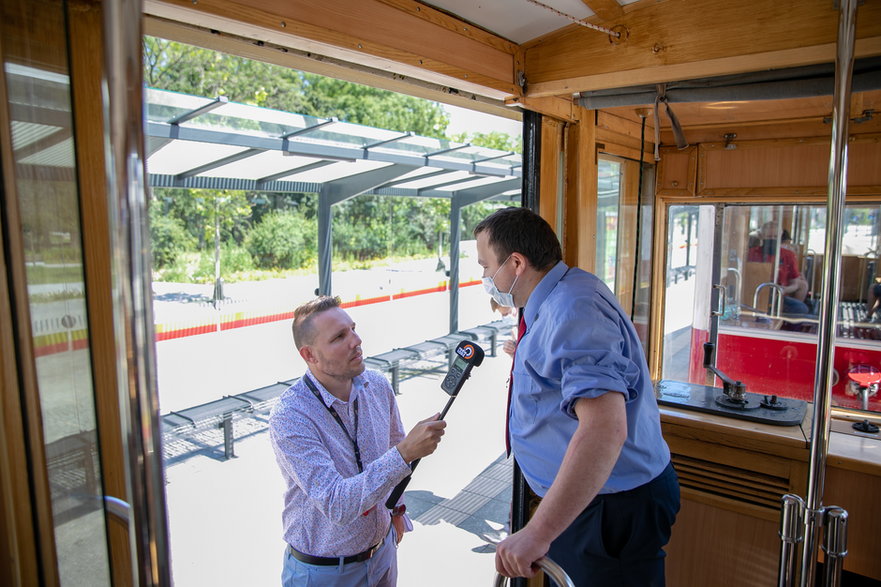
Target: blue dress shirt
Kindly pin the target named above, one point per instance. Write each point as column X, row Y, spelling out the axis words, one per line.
column 579, row 343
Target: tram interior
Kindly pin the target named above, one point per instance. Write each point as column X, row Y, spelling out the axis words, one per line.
column 700, row 256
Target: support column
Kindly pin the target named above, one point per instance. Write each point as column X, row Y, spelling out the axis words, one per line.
column 325, row 242
column 455, row 236
column 579, row 231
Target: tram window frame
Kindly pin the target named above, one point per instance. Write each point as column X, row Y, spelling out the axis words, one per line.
column 787, row 371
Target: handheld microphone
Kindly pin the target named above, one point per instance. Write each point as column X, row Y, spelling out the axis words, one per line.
column 468, row 355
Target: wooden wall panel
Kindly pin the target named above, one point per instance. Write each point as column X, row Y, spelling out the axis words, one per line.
column 712, row 546
column 676, row 172
column 790, row 166
column 857, row 492
column 579, row 244
column 551, row 173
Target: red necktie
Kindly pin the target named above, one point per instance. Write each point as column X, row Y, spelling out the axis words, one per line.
column 521, row 328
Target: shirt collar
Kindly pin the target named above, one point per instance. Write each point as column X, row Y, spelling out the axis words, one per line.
column 542, row 291
column 329, row 398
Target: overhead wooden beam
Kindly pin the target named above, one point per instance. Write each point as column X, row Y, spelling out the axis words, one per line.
column 607, row 10
column 683, row 39
column 402, row 36
column 560, row 108
column 322, row 65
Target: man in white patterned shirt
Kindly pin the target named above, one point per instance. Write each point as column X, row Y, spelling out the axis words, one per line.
column 340, row 444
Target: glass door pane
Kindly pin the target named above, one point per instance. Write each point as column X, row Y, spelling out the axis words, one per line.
column 608, row 199
column 767, row 335
column 39, row 101
column 687, row 299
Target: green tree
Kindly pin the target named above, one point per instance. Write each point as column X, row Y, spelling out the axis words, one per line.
column 283, row 240
column 169, row 238
column 492, row 140
column 169, row 65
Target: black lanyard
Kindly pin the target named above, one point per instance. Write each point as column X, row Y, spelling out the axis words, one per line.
column 339, row 420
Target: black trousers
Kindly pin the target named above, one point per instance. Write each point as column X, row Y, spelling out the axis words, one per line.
column 618, row 539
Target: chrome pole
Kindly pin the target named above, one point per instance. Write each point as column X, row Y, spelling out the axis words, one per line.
column 830, row 288
column 834, row 544
column 132, row 294
column 791, row 521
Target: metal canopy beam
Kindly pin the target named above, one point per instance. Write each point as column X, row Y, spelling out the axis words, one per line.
column 214, row 104
column 339, row 191
column 47, row 142
column 309, row 129
column 478, row 193
column 228, row 183
column 163, row 130
column 466, row 179
column 219, row 163
column 389, row 141
column 416, row 178
column 295, row 170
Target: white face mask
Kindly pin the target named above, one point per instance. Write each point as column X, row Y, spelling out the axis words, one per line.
column 501, row 298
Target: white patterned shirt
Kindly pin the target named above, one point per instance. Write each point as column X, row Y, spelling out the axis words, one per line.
column 326, row 498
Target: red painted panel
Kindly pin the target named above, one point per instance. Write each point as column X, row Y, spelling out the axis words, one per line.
column 786, row 368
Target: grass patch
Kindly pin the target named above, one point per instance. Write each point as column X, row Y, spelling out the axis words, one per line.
column 42, row 274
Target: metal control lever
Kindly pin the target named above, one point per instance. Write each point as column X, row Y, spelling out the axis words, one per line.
column 735, row 390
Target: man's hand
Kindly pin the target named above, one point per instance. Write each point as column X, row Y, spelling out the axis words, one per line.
column 516, row 554
column 422, row 439
column 398, row 522
column 509, row 347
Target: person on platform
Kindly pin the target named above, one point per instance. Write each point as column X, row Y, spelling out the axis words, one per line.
column 584, row 425
column 340, row 445
column 508, row 316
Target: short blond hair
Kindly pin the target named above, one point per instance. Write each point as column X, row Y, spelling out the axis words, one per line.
column 304, row 333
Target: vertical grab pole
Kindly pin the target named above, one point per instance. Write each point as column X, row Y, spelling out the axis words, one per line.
column 830, row 288
column 791, row 522
column 834, row 544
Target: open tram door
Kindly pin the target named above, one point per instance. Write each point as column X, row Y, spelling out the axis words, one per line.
column 80, row 478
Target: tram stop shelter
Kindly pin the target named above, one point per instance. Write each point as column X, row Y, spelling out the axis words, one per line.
column 195, row 142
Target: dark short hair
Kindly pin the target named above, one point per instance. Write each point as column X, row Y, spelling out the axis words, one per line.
column 520, row 230
column 302, row 328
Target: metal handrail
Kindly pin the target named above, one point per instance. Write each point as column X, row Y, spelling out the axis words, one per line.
column 550, row 568
column 775, row 299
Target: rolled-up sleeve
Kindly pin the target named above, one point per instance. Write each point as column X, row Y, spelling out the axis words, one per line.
column 589, row 346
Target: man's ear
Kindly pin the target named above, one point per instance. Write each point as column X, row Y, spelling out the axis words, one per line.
column 307, row 354
column 520, row 261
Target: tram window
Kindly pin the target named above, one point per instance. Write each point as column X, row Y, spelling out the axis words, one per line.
column 689, row 247
column 608, row 200
column 767, row 333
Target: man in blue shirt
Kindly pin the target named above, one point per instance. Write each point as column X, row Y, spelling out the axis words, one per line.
column 584, row 424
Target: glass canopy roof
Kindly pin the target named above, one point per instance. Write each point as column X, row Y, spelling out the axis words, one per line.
column 204, row 142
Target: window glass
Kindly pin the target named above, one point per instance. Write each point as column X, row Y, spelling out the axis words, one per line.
column 608, row 200
column 771, row 266
column 43, row 151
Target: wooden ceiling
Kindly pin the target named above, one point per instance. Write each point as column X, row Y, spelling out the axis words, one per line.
column 401, row 42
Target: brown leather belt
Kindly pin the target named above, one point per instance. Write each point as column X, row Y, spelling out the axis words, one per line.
column 328, row 561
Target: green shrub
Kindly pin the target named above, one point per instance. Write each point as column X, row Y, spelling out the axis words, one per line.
column 283, row 240
column 169, row 239
column 233, row 259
